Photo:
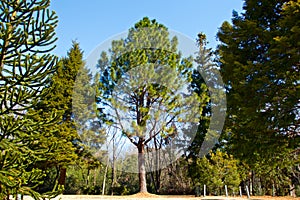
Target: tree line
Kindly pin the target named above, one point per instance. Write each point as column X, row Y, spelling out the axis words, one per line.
column 58, row 119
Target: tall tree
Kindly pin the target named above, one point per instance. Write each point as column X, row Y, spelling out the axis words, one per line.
column 59, row 99
column 142, row 89
column 27, row 36
column 73, row 96
column 259, row 62
column 204, row 60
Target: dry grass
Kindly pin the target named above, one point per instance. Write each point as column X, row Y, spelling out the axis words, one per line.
column 145, row 196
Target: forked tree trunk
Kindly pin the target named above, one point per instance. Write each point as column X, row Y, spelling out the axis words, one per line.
column 141, row 166
column 292, row 190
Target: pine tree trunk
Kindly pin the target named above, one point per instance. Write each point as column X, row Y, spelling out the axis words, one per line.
column 142, row 169
column 62, row 176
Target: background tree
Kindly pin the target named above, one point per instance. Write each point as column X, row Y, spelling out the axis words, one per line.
column 215, row 171
column 260, row 67
column 204, row 60
column 139, row 88
column 175, row 180
column 207, row 84
column 27, row 36
column 76, row 134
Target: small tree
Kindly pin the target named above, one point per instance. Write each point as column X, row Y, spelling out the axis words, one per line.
column 216, row 171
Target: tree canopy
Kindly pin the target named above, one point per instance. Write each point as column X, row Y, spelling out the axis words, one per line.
column 143, row 89
column 259, row 61
column 168, row 109
column 27, row 36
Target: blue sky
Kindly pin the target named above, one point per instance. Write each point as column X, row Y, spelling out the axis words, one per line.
column 91, row 22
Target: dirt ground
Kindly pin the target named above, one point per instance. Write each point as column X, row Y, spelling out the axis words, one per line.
column 171, row 197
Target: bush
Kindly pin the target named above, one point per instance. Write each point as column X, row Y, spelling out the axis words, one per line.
column 216, row 171
column 297, row 190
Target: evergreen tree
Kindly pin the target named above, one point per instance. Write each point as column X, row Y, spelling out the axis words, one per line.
column 140, row 86
column 72, row 95
column 206, row 75
column 205, row 62
column 27, row 37
column 259, row 60
column 215, row 171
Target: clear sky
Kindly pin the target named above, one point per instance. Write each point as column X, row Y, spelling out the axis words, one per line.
column 91, row 22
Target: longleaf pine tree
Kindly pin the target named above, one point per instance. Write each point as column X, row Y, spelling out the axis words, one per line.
column 141, row 90
column 259, row 60
column 27, row 36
